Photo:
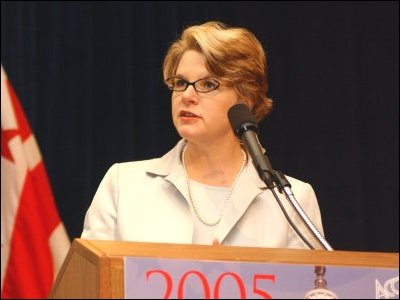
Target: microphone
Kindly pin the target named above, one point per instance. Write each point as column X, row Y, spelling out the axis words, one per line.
column 245, row 128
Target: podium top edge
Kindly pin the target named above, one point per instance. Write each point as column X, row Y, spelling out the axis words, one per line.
column 119, row 249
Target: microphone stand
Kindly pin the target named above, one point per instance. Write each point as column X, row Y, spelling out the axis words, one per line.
column 244, row 127
column 269, row 176
column 320, row 283
column 284, row 185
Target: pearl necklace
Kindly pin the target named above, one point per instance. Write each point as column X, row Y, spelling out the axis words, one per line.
column 207, row 223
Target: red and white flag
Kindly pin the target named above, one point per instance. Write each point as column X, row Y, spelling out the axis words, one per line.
column 33, row 238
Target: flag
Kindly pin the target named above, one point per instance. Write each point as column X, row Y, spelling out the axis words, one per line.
column 34, row 241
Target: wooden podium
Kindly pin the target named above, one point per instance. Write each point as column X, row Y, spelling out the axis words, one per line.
column 95, row 269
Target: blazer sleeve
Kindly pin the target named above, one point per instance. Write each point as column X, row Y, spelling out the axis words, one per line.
column 101, row 218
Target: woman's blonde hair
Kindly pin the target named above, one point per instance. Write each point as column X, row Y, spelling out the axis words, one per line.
column 234, row 55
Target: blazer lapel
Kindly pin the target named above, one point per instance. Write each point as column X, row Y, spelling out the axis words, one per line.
column 170, row 167
column 247, row 188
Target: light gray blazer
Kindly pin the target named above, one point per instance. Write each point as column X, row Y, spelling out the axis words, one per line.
column 147, row 201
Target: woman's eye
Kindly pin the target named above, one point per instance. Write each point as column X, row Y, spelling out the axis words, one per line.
column 180, row 83
column 209, row 84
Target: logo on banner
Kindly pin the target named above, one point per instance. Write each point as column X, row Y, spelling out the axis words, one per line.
column 389, row 290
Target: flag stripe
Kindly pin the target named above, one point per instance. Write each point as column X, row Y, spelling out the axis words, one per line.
column 34, row 241
column 31, row 151
column 30, row 258
column 59, row 245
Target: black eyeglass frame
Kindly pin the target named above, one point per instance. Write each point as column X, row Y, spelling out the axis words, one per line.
column 187, row 83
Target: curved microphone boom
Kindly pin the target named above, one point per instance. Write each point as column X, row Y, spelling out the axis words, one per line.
column 244, row 126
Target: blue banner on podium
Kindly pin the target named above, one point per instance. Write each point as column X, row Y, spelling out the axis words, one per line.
column 205, row 279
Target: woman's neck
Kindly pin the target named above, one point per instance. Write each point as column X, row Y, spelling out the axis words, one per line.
column 214, row 164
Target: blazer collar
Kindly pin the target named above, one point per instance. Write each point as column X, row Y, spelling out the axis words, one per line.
column 168, row 164
column 170, row 167
column 248, row 187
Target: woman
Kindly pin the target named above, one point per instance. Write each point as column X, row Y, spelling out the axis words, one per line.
column 206, row 189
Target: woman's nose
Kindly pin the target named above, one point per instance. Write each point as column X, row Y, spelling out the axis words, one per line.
column 190, row 95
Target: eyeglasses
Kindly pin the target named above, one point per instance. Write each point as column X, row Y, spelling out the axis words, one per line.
column 203, row 85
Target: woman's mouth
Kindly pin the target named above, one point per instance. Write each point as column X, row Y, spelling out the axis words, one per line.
column 187, row 114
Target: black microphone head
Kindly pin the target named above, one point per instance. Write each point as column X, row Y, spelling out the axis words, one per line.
column 241, row 119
